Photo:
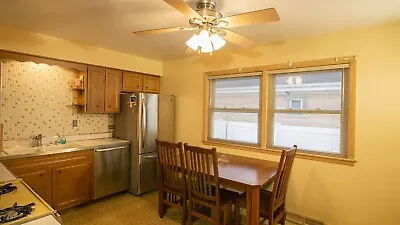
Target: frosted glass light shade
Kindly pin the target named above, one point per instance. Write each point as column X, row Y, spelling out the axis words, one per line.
column 217, row 41
column 205, row 42
column 193, row 42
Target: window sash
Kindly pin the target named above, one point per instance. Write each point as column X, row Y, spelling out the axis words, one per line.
column 343, row 112
column 212, row 109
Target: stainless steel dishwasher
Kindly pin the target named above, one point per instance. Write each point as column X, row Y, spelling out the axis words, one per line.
column 111, row 170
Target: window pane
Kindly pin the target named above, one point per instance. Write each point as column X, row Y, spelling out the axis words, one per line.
column 316, row 132
column 316, row 90
column 232, row 126
column 241, row 92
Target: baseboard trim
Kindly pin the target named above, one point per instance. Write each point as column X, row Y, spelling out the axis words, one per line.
column 300, row 219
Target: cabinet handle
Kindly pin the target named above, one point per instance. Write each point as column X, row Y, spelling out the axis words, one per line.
column 98, row 106
column 138, row 86
column 147, row 87
column 41, row 175
column 59, row 171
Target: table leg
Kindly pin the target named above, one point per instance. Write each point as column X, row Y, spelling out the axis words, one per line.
column 253, row 205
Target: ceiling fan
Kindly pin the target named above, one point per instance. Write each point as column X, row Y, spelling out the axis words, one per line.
column 213, row 27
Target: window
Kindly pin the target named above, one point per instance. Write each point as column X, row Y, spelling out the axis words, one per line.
column 296, row 104
column 318, row 126
column 234, row 109
column 309, row 104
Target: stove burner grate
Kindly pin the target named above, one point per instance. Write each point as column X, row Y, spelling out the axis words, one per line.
column 15, row 212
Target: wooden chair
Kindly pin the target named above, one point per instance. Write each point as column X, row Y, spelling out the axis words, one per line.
column 272, row 204
column 203, row 187
column 172, row 178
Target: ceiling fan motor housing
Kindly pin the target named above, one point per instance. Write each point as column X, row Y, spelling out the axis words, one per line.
column 206, row 9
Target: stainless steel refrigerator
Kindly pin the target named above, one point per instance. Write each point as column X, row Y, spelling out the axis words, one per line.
column 143, row 118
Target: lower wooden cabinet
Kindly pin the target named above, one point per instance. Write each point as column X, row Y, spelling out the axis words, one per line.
column 72, row 184
column 63, row 180
column 38, row 178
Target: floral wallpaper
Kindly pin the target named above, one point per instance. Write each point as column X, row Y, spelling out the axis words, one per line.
column 37, row 99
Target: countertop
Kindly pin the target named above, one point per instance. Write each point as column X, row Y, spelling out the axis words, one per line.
column 100, row 143
column 70, row 147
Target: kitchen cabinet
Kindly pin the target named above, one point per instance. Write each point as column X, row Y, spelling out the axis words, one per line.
column 38, row 178
column 132, row 82
column 63, row 180
column 137, row 82
column 71, row 184
column 96, row 84
column 151, row 84
column 113, row 90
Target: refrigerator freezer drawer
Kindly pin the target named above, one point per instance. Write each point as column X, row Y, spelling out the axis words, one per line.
column 111, row 170
column 148, row 172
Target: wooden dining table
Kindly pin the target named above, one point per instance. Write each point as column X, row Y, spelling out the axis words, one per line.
column 251, row 174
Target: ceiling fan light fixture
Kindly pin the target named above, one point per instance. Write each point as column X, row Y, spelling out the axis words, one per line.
column 217, row 41
column 193, row 42
column 206, row 42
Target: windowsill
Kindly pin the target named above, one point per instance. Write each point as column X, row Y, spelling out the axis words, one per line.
column 302, row 155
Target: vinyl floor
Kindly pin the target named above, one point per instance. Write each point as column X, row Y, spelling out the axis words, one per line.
column 123, row 209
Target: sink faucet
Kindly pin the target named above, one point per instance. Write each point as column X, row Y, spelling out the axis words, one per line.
column 38, row 139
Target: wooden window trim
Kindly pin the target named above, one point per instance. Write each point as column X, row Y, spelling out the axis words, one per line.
column 350, row 60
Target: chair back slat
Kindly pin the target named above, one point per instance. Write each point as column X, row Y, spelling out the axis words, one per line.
column 170, row 157
column 202, row 168
column 282, row 178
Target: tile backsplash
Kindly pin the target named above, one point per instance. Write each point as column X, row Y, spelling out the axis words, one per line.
column 37, row 99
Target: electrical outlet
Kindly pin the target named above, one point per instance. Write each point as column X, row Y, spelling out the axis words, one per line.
column 110, row 127
column 74, row 123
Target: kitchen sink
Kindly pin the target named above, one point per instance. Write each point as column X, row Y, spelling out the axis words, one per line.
column 18, row 150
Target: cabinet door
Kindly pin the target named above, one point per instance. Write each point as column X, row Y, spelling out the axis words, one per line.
column 132, row 82
column 72, row 184
column 96, row 84
column 39, row 179
column 113, row 90
column 151, row 84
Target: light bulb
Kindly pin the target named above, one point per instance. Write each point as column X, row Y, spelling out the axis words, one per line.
column 217, row 41
column 193, row 42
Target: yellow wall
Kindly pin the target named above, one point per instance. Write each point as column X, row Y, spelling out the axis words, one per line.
column 43, row 45
column 367, row 193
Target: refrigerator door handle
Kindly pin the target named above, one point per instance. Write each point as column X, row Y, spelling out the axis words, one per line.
column 144, row 124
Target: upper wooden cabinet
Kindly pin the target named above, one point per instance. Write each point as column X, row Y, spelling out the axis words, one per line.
column 132, row 82
column 151, row 84
column 137, row 82
column 113, row 90
column 103, row 90
column 96, row 84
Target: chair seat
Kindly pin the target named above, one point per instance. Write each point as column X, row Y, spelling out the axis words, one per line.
column 265, row 197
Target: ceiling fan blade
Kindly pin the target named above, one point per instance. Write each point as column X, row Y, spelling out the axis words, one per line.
column 239, row 40
column 160, row 31
column 184, row 8
column 260, row 16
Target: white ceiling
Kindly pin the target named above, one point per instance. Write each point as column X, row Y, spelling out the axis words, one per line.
column 109, row 23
